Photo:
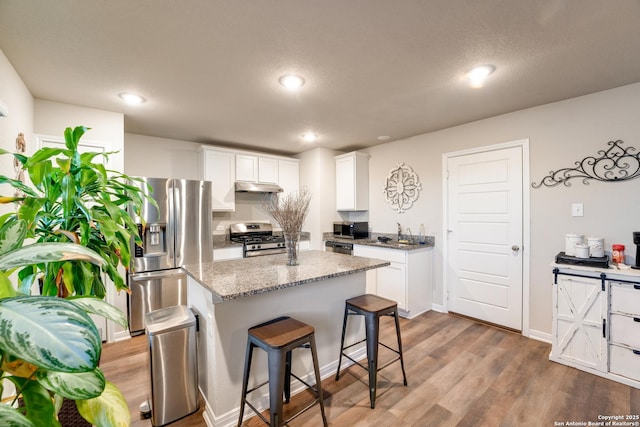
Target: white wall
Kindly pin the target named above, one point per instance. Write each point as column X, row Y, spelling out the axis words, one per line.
column 19, row 102
column 559, row 134
column 318, row 174
column 51, row 119
column 160, row 157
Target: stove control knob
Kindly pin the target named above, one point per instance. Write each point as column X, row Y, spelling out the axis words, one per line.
column 258, row 246
column 253, row 246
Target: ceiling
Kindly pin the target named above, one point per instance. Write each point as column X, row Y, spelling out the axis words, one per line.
column 209, row 69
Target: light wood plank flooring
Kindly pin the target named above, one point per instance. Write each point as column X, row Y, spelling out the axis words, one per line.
column 460, row 373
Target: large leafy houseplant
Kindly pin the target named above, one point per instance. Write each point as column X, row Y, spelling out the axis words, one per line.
column 74, row 198
column 76, row 213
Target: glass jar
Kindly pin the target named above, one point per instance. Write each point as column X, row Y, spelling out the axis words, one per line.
column 617, row 254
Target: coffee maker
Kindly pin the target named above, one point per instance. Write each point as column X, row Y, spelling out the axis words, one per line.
column 636, row 241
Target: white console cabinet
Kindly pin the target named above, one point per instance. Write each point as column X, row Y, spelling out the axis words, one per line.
column 407, row 280
column 596, row 321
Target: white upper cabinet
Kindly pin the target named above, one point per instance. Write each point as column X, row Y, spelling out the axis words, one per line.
column 268, row 170
column 253, row 168
column 219, row 167
column 224, row 167
column 352, row 182
column 246, row 168
column 289, row 175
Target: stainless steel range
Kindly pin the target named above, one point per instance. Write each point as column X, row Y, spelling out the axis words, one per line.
column 257, row 237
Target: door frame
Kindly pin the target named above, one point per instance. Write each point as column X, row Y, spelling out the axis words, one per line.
column 526, row 226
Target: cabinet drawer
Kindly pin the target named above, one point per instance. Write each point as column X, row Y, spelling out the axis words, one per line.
column 624, row 361
column 392, row 255
column 625, row 298
column 625, row 330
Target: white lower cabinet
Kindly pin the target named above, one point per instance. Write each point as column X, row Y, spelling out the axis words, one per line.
column 579, row 322
column 596, row 322
column 407, row 280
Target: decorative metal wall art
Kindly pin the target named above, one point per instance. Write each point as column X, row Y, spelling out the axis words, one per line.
column 614, row 164
column 401, row 188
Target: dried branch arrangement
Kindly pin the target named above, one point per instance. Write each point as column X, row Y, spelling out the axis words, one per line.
column 289, row 211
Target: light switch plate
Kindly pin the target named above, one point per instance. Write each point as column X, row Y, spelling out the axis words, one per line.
column 577, row 209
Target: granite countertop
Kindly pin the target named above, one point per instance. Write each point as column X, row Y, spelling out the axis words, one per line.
column 228, row 280
column 372, row 240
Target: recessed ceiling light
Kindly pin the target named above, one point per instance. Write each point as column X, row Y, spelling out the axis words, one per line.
column 309, row 136
column 291, row 81
column 478, row 75
column 131, row 98
column 383, row 137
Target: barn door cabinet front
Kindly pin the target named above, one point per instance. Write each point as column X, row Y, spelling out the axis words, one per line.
column 579, row 324
column 596, row 321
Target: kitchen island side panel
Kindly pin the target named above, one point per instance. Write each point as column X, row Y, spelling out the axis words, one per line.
column 223, row 337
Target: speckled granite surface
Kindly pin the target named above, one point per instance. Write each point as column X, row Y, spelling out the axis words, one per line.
column 391, row 244
column 239, row 278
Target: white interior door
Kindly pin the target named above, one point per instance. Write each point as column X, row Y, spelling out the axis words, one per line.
column 485, row 235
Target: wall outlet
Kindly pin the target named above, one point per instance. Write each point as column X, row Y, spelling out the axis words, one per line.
column 577, row 209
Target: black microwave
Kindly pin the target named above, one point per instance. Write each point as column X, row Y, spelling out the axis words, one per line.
column 351, row 230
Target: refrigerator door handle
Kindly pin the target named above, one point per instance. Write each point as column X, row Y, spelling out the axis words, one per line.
column 179, row 222
column 171, row 226
column 163, row 274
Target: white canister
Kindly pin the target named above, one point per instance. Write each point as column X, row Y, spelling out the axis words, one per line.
column 582, row 250
column 596, row 246
column 570, row 241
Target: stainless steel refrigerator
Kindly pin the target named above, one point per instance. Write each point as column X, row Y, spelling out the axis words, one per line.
column 176, row 233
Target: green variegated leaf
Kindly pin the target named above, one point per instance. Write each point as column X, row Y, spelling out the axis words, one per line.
column 12, row 235
column 101, row 308
column 6, row 287
column 79, row 386
column 107, row 410
column 48, row 252
column 49, row 332
column 10, row 417
column 36, row 399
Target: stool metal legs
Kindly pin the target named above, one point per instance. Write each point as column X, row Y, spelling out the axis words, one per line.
column 372, row 339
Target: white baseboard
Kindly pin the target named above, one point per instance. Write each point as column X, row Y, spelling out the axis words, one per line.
column 437, row 307
column 121, row 336
column 540, row 336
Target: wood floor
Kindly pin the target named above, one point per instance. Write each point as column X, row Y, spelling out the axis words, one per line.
column 460, row 373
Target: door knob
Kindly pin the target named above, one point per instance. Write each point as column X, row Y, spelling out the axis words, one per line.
column 515, row 248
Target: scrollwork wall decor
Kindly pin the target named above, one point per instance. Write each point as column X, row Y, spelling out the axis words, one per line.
column 401, row 188
column 614, row 164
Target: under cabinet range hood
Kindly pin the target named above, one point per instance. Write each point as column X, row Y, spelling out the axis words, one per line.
column 255, row 187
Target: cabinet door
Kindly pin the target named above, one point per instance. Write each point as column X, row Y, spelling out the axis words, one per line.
column 345, row 183
column 219, row 168
column 267, row 170
column 580, row 309
column 246, row 168
column 289, row 175
column 391, row 284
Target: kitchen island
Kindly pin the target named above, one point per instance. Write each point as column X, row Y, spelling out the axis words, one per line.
column 231, row 296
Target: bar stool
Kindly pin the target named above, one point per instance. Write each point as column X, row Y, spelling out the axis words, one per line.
column 372, row 307
column 278, row 337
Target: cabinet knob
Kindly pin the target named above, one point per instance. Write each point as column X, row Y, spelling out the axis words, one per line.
column 515, row 248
